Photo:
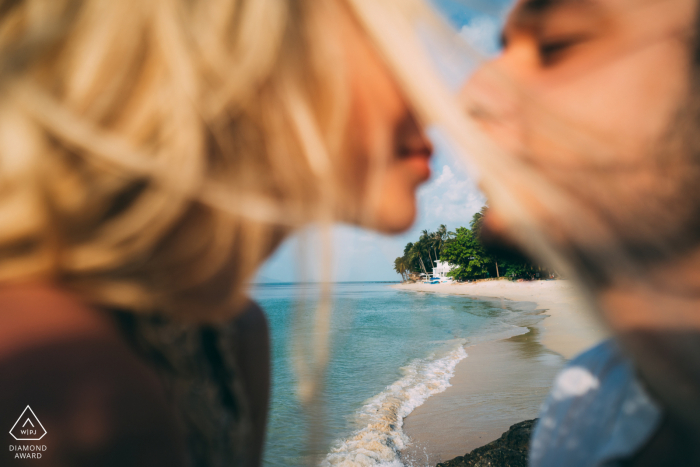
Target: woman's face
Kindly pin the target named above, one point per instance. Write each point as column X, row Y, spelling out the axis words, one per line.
column 387, row 154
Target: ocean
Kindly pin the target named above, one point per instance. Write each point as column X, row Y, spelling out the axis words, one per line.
column 390, row 351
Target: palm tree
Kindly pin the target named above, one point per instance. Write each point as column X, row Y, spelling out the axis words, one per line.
column 416, row 252
column 476, row 226
column 397, row 267
column 403, row 267
column 478, row 221
column 423, row 241
column 440, row 236
column 434, row 244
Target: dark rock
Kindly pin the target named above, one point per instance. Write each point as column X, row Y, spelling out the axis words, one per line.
column 510, row 450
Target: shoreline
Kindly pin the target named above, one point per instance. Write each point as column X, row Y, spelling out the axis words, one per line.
column 504, row 381
column 567, row 329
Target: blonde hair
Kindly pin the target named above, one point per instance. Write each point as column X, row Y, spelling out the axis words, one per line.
column 153, row 154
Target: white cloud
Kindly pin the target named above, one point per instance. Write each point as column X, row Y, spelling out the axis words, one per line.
column 452, row 198
column 446, row 175
column 482, row 34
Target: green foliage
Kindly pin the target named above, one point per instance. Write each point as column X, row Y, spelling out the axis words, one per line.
column 467, row 254
column 402, row 266
column 419, row 257
column 518, row 269
column 463, row 249
column 478, row 221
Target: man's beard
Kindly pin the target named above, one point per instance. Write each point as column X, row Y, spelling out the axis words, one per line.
column 649, row 209
column 654, row 209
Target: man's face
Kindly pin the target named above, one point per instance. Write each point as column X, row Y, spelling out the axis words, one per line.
column 585, row 92
column 600, row 99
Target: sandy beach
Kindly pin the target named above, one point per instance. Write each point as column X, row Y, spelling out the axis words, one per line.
column 500, row 382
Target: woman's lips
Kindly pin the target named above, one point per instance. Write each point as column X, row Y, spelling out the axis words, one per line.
column 413, row 148
column 418, row 161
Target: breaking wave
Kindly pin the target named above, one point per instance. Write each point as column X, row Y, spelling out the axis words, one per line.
column 382, row 438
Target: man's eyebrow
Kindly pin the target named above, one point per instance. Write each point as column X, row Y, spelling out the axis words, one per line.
column 530, row 8
column 531, row 12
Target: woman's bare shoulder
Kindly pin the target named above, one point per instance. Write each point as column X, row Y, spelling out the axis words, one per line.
column 97, row 401
column 35, row 314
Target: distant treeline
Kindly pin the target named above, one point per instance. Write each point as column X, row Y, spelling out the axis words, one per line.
column 464, row 249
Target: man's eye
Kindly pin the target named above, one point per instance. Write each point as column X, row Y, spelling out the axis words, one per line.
column 551, row 52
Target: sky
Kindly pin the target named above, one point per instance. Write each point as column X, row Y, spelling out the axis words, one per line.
column 450, row 197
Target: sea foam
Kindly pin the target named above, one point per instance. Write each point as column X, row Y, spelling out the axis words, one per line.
column 379, row 443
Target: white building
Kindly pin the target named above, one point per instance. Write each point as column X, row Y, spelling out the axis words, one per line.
column 442, row 268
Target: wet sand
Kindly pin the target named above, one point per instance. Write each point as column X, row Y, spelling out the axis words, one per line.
column 501, row 382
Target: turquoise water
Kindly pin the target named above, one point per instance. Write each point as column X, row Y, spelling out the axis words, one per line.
column 390, row 350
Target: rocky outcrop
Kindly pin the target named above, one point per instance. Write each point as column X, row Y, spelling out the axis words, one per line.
column 510, row 450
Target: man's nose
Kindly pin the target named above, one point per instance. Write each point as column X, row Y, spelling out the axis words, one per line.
column 488, row 96
column 492, row 100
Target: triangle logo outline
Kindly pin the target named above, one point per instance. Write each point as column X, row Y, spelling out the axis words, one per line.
column 21, row 417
